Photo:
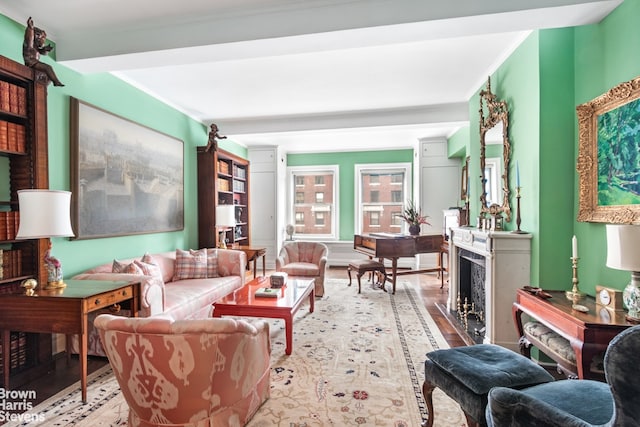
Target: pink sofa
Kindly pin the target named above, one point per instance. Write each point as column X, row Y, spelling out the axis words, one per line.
column 204, row 373
column 161, row 294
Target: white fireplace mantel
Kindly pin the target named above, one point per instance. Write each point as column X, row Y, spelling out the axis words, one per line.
column 507, row 266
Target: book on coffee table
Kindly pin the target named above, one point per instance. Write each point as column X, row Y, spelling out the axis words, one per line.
column 267, row 292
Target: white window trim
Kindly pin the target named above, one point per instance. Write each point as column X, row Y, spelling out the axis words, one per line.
column 383, row 167
column 314, row 170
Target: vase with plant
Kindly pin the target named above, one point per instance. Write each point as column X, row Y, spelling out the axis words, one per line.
column 414, row 217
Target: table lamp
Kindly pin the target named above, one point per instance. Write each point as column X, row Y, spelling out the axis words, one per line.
column 45, row 214
column 623, row 242
column 225, row 218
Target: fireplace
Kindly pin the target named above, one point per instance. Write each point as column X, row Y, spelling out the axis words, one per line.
column 486, row 269
column 470, row 304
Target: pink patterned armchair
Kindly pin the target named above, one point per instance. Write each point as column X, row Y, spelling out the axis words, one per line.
column 307, row 259
column 204, row 373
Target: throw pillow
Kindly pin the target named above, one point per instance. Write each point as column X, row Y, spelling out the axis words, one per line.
column 212, row 263
column 190, row 264
column 149, row 269
column 121, row 267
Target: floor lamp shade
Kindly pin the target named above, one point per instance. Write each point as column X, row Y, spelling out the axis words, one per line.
column 44, row 214
column 623, row 242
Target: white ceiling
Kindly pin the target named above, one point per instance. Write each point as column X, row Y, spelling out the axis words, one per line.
column 312, row 75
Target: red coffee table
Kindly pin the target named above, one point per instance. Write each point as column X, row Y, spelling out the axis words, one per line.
column 243, row 302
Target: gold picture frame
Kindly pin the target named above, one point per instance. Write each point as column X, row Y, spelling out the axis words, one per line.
column 126, row 178
column 608, row 156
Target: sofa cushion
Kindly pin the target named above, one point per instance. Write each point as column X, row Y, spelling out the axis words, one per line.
column 212, row 263
column 123, row 267
column 149, row 269
column 193, row 298
column 190, row 264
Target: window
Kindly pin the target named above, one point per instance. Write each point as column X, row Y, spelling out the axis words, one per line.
column 396, row 218
column 374, row 218
column 313, row 211
column 380, row 200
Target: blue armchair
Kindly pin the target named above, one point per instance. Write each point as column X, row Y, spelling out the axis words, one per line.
column 577, row 403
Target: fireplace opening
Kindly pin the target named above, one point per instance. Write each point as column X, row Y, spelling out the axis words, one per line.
column 470, row 306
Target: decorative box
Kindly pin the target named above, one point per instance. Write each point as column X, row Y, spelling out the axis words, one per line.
column 278, row 280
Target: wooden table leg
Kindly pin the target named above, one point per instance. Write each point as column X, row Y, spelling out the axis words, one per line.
column 394, row 271
column 83, row 357
column 255, row 262
column 264, row 269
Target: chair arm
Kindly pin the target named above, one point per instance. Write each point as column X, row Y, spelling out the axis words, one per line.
column 151, row 289
column 282, row 259
column 232, row 263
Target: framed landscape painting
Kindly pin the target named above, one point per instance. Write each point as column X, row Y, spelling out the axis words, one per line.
column 609, row 156
column 125, row 178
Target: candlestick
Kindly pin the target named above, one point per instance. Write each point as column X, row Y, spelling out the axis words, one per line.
column 574, row 294
column 518, row 231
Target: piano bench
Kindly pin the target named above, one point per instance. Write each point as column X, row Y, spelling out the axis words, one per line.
column 362, row 266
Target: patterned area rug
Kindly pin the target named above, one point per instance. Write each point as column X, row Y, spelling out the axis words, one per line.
column 357, row 360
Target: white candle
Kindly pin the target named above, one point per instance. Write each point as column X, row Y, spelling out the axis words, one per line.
column 517, row 174
column 574, row 244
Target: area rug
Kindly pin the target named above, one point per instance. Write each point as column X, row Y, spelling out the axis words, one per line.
column 357, row 360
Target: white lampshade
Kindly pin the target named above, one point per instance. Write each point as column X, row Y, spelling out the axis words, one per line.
column 225, row 216
column 623, row 247
column 44, row 214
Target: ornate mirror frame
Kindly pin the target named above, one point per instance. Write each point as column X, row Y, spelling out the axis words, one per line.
column 492, row 113
column 607, row 152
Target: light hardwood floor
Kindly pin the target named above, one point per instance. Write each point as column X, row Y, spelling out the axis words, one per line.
column 427, row 286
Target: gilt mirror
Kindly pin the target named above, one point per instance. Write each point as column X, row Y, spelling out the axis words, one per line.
column 494, row 141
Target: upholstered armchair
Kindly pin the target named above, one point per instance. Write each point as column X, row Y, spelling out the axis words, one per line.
column 577, row 403
column 205, row 373
column 307, row 259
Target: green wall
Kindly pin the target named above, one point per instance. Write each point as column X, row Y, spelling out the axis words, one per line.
column 346, row 162
column 109, row 93
column 605, row 56
column 543, row 81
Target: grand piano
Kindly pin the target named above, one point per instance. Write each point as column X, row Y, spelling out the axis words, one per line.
column 394, row 246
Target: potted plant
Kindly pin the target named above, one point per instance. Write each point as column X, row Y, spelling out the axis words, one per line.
column 413, row 216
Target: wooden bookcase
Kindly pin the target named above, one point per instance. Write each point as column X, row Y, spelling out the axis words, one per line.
column 223, row 179
column 23, row 165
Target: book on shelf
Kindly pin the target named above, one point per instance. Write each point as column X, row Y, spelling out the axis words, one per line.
column 267, row 293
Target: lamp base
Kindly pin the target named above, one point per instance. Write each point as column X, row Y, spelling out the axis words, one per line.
column 58, row 284
column 631, row 298
column 574, row 295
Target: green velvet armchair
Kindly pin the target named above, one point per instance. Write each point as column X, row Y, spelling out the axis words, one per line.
column 577, row 403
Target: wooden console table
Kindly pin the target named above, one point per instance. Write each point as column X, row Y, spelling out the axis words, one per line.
column 588, row 333
column 63, row 311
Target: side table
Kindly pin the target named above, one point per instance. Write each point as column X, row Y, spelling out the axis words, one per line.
column 252, row 255
column 63, row 311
